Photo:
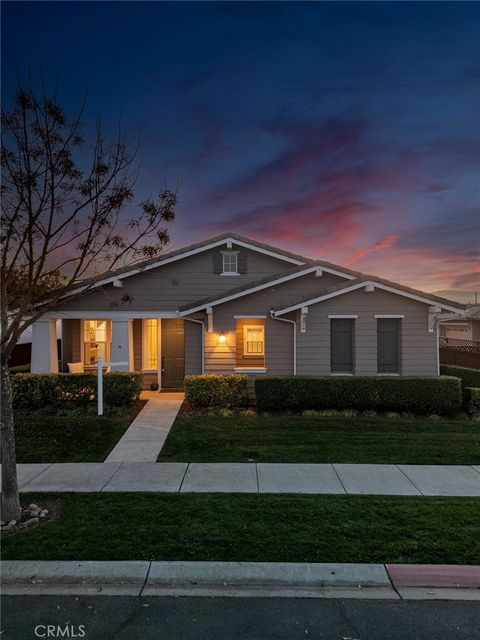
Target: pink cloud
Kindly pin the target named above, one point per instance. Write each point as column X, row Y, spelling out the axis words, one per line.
column 385, row 243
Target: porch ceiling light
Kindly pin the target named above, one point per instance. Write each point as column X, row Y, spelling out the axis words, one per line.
column 222, row 340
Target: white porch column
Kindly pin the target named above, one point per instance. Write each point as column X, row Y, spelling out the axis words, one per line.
column 122, row 345
column 44, row 347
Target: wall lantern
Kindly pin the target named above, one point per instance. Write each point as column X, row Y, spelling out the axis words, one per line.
column 222, row 340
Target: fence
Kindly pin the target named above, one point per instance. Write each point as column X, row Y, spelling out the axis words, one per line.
column 459, row 352
column 460, row 344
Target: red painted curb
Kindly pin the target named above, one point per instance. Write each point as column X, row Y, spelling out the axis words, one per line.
column 434, row 575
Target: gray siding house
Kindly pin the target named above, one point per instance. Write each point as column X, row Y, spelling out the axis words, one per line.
column 231, row 304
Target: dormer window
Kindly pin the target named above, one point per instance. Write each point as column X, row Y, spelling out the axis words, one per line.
column 230, row 263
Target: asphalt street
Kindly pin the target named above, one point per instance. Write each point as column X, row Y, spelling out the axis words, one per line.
column 201, row 618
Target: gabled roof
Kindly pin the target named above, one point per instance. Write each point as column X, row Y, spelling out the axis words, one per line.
column 264, row 283
column 184, row 252
column 380, row 283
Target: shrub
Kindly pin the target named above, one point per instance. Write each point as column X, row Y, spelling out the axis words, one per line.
column 472, row 401
column 20, row 368
column 52, row 392
column 213, row 390
column 469, row 377
column 422, row 395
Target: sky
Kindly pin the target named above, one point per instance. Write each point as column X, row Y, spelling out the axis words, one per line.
column 347, row 132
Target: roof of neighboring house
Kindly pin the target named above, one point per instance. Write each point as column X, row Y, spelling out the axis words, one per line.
column 262, row 283
column 345, row 287
column 473, row 312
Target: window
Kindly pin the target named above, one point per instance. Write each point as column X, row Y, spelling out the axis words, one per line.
column 150, row 344
column 96, row 340
column 341, row 345
column 253, row 340
column 230, row 262
column 388, row 345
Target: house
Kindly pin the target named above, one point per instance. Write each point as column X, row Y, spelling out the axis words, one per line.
column 462, row 327
column 231, row 304
column 460, row 338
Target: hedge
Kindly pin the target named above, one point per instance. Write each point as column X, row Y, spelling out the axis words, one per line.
column 49, row 392
column 422, row 395
column 471, row 401
column 469, row 377
column 213, row 390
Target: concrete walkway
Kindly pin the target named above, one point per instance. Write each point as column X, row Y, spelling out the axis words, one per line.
column 373, row 479
column 144, row 438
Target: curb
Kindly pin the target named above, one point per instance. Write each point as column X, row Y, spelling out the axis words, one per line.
column 266, row 579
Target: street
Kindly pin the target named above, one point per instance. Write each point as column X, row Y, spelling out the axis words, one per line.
column 201, row 618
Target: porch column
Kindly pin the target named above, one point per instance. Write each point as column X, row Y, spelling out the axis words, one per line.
column 44, row 347
column 122, row 345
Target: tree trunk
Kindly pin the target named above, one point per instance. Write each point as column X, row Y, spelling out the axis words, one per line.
column 10, row 497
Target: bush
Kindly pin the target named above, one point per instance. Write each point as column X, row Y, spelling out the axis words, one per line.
column 469, row 377
column 51, row 392
column 422, row 395
column 472, row 401
column 212, row 390
column 20, row 368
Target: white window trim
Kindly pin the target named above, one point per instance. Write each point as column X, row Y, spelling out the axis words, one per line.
column 230, row 273
column 144, row 368
column 250, row 369
column 108, row 343
column 246, row 327
column 389, row 316
column 342, row 317
column 249, row 317
column 341, row 373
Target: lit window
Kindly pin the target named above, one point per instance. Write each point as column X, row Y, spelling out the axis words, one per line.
column 253, row 340
column 150, row 344
column 230, row 262
column 96, row 340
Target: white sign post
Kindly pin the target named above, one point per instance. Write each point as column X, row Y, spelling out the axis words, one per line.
column 100, row 366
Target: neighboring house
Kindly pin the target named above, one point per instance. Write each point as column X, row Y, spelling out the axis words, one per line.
column 231, row 304
column 464, row 327
column 460, row 338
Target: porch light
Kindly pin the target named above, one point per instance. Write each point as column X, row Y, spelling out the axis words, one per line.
column 222, row 340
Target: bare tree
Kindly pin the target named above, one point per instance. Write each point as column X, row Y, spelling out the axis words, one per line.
column 63, row 220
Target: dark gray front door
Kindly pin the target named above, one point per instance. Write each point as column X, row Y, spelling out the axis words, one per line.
column 173, row 354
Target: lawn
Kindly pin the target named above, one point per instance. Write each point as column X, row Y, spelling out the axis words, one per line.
column 274, row 528
column 87, row 438
column 319, row 439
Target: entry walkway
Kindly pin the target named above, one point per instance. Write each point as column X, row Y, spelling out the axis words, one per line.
column 144, row 438
column 373, row 479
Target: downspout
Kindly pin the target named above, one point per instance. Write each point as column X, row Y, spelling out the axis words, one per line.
column 294, row 338
column 203, row 339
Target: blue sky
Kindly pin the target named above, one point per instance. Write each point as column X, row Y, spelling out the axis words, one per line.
column 343, row 131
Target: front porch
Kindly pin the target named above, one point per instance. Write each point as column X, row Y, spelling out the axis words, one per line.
column 164, row 349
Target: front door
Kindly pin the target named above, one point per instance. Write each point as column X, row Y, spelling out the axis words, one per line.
column 173, row 354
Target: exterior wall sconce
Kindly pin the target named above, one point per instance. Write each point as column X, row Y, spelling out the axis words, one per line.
column 222, row 340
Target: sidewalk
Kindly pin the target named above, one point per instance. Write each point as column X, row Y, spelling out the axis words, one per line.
column 265, row 579
column 144, row 438
column 197, row 477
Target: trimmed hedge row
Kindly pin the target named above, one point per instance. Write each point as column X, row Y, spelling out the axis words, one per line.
column 213, row 390
column 469, row 377
column 471, row 401
column 422, row 395
column 49, row 392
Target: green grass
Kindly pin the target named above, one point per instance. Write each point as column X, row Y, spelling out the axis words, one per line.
column 87, row 438
column 321, row 439
column 293, row 528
